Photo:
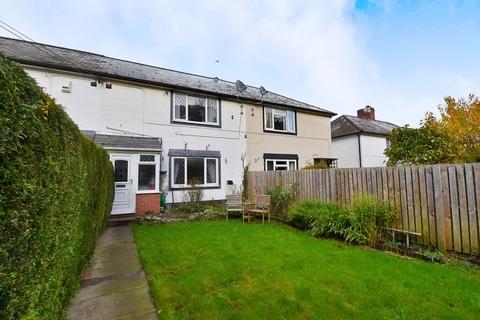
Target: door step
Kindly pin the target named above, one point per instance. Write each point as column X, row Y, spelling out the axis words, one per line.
column 116, row 220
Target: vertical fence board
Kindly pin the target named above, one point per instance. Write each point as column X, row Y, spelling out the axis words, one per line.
column 374, row 182
column 359, row 181
column 385, row 184
column 447, row 209
column 476, row 171
column 363, row 172
column 398, row 205
column 431, row 205
column 369, row 181
column 403, row 197
column 462, row 203
column 350, row 184
column 439, row 214
column 423, row 204
column 471, row 207
column 391, row 190
column 416, row 200
column 379, row 184
column 409, row 197
column 456, row 228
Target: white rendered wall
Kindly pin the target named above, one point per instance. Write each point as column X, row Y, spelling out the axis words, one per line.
column 345, row 149
column 135, row 109
column 372, row 151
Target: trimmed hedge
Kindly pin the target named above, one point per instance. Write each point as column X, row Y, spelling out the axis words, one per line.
column 56, row 192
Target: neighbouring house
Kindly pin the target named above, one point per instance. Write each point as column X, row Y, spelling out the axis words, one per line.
column 360, row 141
column 166, row 129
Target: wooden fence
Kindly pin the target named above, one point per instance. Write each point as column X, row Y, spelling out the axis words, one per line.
column 442, row 202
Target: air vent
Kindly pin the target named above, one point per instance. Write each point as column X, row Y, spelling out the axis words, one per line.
column 67, row 88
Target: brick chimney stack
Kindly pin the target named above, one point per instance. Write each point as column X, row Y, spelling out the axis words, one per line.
column 366, row 113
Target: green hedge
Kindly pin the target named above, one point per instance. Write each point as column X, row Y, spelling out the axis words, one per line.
column 56, row 191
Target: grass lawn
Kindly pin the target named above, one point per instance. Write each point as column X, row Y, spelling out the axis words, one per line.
column 231, row 270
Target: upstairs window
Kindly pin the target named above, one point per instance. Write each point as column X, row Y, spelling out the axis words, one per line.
column 280, row 120
column 196, row 109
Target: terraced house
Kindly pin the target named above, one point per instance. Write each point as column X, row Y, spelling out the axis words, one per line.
column 166, row 130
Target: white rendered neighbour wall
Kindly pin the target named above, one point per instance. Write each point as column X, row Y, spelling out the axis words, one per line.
column 372, row 151
column 136, row 109
column 345, row 149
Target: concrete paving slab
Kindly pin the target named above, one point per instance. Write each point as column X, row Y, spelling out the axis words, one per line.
column 114, row 285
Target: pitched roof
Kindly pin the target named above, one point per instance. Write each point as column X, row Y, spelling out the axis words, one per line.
column 346, row 125
column 123, row 142
column 32, row 53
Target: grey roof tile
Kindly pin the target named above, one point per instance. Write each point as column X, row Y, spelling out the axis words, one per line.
column 345, row 125
column 80, row 61
column 129, row 142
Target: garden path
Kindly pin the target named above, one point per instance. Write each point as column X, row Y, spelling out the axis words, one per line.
column 114, row 285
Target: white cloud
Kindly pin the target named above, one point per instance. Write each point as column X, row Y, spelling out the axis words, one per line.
column 308, row 50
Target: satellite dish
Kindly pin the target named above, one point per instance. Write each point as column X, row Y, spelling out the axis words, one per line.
column 263, row 91
column 240, row 86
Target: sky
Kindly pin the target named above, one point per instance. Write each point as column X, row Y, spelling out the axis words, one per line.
column 401, row 57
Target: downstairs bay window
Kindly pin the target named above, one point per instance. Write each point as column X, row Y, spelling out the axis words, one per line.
column 191, row 167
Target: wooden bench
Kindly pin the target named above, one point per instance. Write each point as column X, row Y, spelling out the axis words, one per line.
column 405, row 232
column 261, row 206
column 234, row 204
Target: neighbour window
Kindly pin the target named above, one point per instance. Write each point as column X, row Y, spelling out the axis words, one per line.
column 280, row 164
column 147, row 173
column 325, row 162
column 280, row 120
column 195, row 171
column 196, row 109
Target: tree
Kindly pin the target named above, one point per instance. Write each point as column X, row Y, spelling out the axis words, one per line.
column 424, row 145
column 460, row 119
column 453, row 137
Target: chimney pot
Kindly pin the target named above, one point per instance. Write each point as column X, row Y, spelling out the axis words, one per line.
column 366, row 113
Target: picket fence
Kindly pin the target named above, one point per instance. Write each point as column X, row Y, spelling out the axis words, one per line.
column 442, row 202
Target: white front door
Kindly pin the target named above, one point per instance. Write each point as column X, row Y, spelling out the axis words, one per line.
column 124, row 201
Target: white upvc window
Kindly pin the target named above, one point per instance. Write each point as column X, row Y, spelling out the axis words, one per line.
column 280, row 164
column 196, row 109
column 148, row 170
column 279, row 120
column 188, row 171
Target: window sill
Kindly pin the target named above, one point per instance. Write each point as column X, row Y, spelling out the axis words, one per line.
column 198, row 187
column 280, row 132
column 148, row 191
column 200, row 124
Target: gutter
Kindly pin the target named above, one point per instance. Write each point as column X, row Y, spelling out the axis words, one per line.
column 131, row 149
column 359, row 150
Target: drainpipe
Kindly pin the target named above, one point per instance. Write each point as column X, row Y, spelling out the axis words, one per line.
column 359, row 150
